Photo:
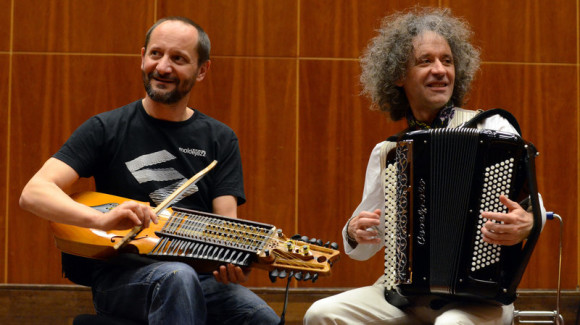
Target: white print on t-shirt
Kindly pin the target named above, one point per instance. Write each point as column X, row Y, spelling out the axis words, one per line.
column 141, row 169
column 194, row 152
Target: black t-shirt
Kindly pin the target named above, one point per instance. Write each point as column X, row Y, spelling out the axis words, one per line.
column 132, row 155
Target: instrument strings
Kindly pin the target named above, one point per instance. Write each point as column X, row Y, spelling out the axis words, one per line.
column 228, row 233
column 196, row 226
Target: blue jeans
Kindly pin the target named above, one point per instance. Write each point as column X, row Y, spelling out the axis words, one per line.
column 173, row 293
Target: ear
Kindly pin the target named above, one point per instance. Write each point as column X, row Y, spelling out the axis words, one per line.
column 142, row 57
column 202, row 70
column 400, row 82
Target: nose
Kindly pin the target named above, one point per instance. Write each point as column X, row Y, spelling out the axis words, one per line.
column 438, row 67
column 164, row 65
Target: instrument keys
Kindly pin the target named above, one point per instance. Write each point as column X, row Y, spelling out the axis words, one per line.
column 290, row 245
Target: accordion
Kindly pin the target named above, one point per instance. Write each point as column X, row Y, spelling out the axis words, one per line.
column 437, row 183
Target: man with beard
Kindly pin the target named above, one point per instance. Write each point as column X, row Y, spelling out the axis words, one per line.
column 144, row 151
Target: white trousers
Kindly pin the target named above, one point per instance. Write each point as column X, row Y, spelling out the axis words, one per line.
column 367, row 305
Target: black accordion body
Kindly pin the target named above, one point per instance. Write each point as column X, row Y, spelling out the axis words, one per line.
column 437, row 184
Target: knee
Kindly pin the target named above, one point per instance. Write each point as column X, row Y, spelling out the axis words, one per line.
column 447, row 319
column 179, row 276
column 318, row 313
column 263, row 315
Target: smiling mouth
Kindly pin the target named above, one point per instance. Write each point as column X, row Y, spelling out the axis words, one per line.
column 437, row 85
column 165, row 81
column 155, row 76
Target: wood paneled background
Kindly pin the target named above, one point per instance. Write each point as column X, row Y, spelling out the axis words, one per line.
column 284, row 76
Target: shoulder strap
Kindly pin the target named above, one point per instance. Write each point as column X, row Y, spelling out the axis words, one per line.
column 496, row 111
column 396, row 137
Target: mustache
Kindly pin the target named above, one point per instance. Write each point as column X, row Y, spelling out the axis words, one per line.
column 156, row 75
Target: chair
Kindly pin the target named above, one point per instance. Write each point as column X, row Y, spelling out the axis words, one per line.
column 549, row 316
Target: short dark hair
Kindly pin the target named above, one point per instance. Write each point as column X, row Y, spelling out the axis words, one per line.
column 203, row 43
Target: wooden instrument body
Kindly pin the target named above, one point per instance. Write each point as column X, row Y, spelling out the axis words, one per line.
column 98, row 244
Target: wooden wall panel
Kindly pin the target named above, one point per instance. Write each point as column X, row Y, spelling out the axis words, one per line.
column 342, row 29
column 285, row 78
column 95, row 26
column 522, row 31
column 69, row 89
column 257, row 99
column 242, row 27
column 5, row 12
column 541, row 98
column 4, row 156
column 337, row 135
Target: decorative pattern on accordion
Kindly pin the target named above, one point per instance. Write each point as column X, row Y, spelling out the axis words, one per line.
column 496, row 182
column 396, row 220
column 208, row 237
column 390, row 234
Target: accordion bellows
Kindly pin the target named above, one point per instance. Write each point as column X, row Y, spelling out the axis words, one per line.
column 437, row 184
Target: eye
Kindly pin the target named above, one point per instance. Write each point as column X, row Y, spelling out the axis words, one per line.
column 424, row 62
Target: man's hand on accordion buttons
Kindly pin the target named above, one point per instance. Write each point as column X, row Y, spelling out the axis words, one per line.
column 510, row 228
column 363, row 228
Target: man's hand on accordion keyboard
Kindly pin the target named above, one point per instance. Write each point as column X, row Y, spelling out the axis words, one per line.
column 363, row 227
column 510, row 228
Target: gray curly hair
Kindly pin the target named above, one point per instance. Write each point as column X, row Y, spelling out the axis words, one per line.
column 384, row 62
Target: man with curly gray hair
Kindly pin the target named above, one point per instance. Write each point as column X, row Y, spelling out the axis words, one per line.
column 386, row 60
column 419, row 67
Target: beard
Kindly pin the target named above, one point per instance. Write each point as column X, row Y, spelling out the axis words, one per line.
column 181, row 89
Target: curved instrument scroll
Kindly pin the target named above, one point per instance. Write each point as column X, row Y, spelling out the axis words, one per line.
column 203, row 240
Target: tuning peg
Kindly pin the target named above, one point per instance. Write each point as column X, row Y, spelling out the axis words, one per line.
column 327, row 244
column 304, row 239
column 298, row 276
column 307, row 277
column 280, row 233
column 273, row 275
column 267, row 252
column 319, row 242
column 282, row 274
column 312, row 241
column 334, row 246
column 296, row 237
column 315, row 277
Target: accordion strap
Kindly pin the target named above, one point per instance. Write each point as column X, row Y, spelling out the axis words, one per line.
column 386, row 147
column 496, row 111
